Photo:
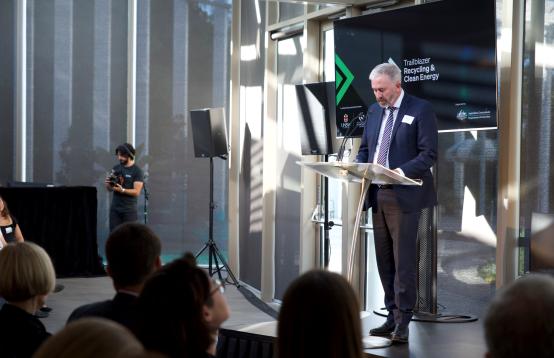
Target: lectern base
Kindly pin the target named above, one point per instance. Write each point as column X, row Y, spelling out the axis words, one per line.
column 434, row 318
column 371, row 342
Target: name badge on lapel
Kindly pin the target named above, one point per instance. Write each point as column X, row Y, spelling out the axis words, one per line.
column 407, row 119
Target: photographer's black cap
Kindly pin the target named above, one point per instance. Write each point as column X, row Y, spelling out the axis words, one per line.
column 126, row 149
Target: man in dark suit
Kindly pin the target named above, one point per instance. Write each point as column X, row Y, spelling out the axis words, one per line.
column 401, row 134
column 133, row 253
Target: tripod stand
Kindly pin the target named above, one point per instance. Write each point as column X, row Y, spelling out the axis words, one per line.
column 213, row 252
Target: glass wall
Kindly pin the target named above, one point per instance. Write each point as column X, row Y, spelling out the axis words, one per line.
column 182, row 64
column 76, row 93
column 77, row 103
column 289, row 11
column 287, row 210
column 537, row 137
column 467, row 187
column 466, row 177
column 252, row 58
column 7, row 89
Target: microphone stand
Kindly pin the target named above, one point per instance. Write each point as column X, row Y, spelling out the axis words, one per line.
column 327, row 224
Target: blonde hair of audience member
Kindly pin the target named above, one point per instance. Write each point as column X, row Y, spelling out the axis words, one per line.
column 91, row 338
column 520, row 319
column 26, row 275
column 319, row 317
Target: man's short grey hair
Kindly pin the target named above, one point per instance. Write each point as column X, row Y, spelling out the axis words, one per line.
column 388, row 69
column 520, row 319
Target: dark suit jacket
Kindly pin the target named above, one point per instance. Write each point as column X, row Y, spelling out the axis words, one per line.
column 413, row 149
column 21, row 333
column 121, row 309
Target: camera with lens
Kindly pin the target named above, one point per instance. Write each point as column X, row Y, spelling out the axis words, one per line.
column 113, row 178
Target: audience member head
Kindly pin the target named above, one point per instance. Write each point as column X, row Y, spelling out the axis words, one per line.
column 520, row 319
column 26, row 274
column 91, row 338
column 319, row 317
column 4, row 211
column 133, row 253
column 181, row 310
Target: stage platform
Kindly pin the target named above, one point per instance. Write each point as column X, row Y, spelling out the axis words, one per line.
column 428, row 340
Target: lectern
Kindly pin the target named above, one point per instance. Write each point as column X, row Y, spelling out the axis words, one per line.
column 366, row 174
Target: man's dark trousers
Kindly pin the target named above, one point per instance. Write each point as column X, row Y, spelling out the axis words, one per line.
column 117, row 218
column 395, row 235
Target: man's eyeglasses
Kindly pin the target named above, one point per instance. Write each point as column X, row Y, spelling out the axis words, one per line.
column 218, row 286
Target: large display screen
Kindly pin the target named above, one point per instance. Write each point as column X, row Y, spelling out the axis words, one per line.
column 446, row 51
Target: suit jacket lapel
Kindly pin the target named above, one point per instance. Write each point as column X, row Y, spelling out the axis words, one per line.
column 401, row 112
column 376, row 118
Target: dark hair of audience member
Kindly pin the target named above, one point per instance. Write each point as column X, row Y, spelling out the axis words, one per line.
column 131, row 250
column 5, row 213
column 171, row 306
column 89, row 338
column 520, row 319
column 319, row 317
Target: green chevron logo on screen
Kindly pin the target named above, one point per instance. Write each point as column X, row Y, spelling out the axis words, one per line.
column 343, row 78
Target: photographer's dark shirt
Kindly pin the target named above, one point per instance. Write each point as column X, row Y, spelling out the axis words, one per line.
column 124, row 203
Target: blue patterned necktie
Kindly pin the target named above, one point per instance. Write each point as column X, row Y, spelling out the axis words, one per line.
column 385, row 141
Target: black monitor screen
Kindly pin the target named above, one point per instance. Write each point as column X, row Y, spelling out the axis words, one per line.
column 446, row 51
column 317, row 108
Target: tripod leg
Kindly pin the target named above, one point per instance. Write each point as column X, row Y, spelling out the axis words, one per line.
column 210, row 254
column 201, row 251
column 214, row 248
column 224, row 263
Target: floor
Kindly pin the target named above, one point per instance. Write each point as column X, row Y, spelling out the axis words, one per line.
column 79, row 291
column 426, row 339
column 429, row 340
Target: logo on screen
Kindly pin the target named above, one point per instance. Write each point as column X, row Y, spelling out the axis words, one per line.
column 345, row 118
column 462, row 115
column 343, row 78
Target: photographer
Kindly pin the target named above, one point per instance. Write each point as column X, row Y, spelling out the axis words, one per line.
column 126, row 181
